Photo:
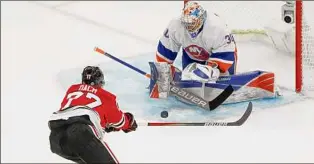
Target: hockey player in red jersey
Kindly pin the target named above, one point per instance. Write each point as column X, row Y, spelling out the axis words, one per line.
column 86, row 113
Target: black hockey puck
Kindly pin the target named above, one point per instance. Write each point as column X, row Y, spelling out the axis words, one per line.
column 164, row 114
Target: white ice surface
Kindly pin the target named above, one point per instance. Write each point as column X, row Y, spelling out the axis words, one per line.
column 36, row 43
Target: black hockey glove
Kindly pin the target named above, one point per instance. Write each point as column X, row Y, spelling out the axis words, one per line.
column 111, row 129
column 133, row 124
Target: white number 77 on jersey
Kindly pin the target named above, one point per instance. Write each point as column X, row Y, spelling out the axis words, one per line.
column 75, row 95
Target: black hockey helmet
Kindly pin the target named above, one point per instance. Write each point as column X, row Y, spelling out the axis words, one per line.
column 93, row 75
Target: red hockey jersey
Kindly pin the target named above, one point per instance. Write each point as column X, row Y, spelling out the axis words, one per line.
column 102, row 101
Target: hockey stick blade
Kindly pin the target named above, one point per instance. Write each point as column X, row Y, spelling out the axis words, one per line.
column 220, row 98
column 244, row 117
column 196, row 100
column 239, row 122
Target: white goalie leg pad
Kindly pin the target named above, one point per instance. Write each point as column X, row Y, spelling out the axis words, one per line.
column 199, row 72
column 161, row 77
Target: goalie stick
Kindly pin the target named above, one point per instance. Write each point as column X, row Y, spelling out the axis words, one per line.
column 239, row 122
column 207, row 105
column 190, row 97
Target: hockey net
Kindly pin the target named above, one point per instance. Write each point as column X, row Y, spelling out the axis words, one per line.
column 262, row 21
column 304, row 46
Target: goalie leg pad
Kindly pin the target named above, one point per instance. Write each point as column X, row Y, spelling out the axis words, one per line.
column 161, row 77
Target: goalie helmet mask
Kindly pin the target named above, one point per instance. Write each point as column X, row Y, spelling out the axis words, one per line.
column 93, row 75
column 193, row 17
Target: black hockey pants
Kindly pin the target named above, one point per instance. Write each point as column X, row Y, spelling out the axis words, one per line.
column 75, row 140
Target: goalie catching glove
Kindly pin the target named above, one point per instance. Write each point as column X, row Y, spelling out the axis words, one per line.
column 202, row 73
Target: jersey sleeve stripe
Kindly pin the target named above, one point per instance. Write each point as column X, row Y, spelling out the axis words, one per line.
column 166, row 52
column 227, row 56
column 221, row 60
column 161, row 58
column 118, row 124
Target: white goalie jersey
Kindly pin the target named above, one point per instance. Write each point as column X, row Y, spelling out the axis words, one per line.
column 213, row 43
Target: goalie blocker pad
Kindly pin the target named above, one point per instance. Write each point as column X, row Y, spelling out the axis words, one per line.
column 161, row 77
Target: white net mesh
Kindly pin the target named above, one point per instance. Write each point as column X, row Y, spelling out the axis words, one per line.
column 308, row 46
column 244, row 15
